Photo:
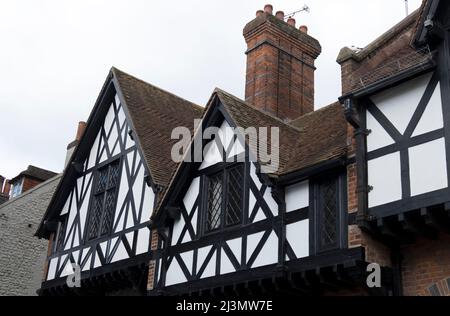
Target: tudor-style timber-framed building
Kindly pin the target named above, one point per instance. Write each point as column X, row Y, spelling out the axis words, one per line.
column 361, row 181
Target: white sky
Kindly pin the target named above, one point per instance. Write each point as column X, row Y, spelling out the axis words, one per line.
column 56, row 54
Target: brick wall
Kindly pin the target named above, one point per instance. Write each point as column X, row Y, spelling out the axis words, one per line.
column 426, row 263
column 390, row 47
column 22, row 255
column 29, row 183
column 152, row 265
column 280, row 67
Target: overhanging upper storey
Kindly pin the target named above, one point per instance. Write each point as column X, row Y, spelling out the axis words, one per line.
column 226, row 224
column 402, row 123
column 99, row 218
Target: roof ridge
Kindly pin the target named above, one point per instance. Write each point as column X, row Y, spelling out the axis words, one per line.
column 218, row 90
column 115, row 70
column 378, row 41
column 326, row 107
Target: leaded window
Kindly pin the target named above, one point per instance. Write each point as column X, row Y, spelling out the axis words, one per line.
column 328, row 216
column 62, row 232
column 225, row 197
column 103, row 202
column 329, row 213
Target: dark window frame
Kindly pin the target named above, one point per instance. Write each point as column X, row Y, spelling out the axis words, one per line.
column 224, row 171
column 96, row 191
column 317, row 209
column 61, row 233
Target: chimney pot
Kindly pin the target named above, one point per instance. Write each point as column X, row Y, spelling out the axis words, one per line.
column 259, row 13
column 291, row 22
column 304, row 29
column 285, row 98
column 268, row 8
column 280, row 15
column 80, row 130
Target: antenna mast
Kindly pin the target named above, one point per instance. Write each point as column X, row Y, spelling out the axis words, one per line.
column 407, row 7
column 291, row 15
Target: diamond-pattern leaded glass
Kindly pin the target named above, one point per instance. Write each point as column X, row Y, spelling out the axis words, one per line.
column 102, row 180
column 234, row 197
column 104, row 201
column 225, row 198
column 329, row 213
column 215, row 202
column 108, row 212
column 96, row 216
column 62, row 233
column 113, row 175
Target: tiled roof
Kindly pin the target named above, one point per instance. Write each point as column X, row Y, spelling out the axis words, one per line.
column 305, row 142
column 36, row 173
column 155, row 113
column 310, row 140
column 389, row 54
column 323, row 137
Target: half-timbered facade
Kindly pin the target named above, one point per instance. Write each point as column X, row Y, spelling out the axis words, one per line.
column 400, row 111
column 99, row 220
column 227, row 225
column 361, row 181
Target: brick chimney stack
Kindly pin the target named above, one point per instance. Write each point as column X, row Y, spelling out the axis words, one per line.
column 71, row 147
column 280, row 65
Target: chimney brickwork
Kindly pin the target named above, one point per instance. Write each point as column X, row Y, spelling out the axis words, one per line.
column 280, row 65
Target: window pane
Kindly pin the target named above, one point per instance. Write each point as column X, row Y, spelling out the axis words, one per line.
column 113, row 175
column 62, row 233
column 329, row 214
column 235, row 198
column 215, row 202
column 108, row 212
column 96, row 216
column 102, row 180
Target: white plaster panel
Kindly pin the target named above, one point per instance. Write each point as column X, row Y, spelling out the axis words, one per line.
column 252, row 243
column 269, row 252
column 177, row 228
column 143, row 241
column 260, row 216
column 120, row 254
column 236, row 247
column 399, row 103
column 428, row 167
column 94, row 152
column 378, row 137
column 212, row 155
column 385, row 178
column 174, row 274
column 254, row 176
column 298, row 236
column 273, row 206
column 210, row 269
column 191, row 194
column 52, row 269
column 297, row 196
column 432, row 118
column 225, row 264
column 147, row 207
column 188, row 260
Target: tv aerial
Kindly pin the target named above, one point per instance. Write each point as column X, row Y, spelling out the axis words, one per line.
column 305, row 8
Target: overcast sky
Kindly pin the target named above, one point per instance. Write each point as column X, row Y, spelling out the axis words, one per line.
column 56, row 54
